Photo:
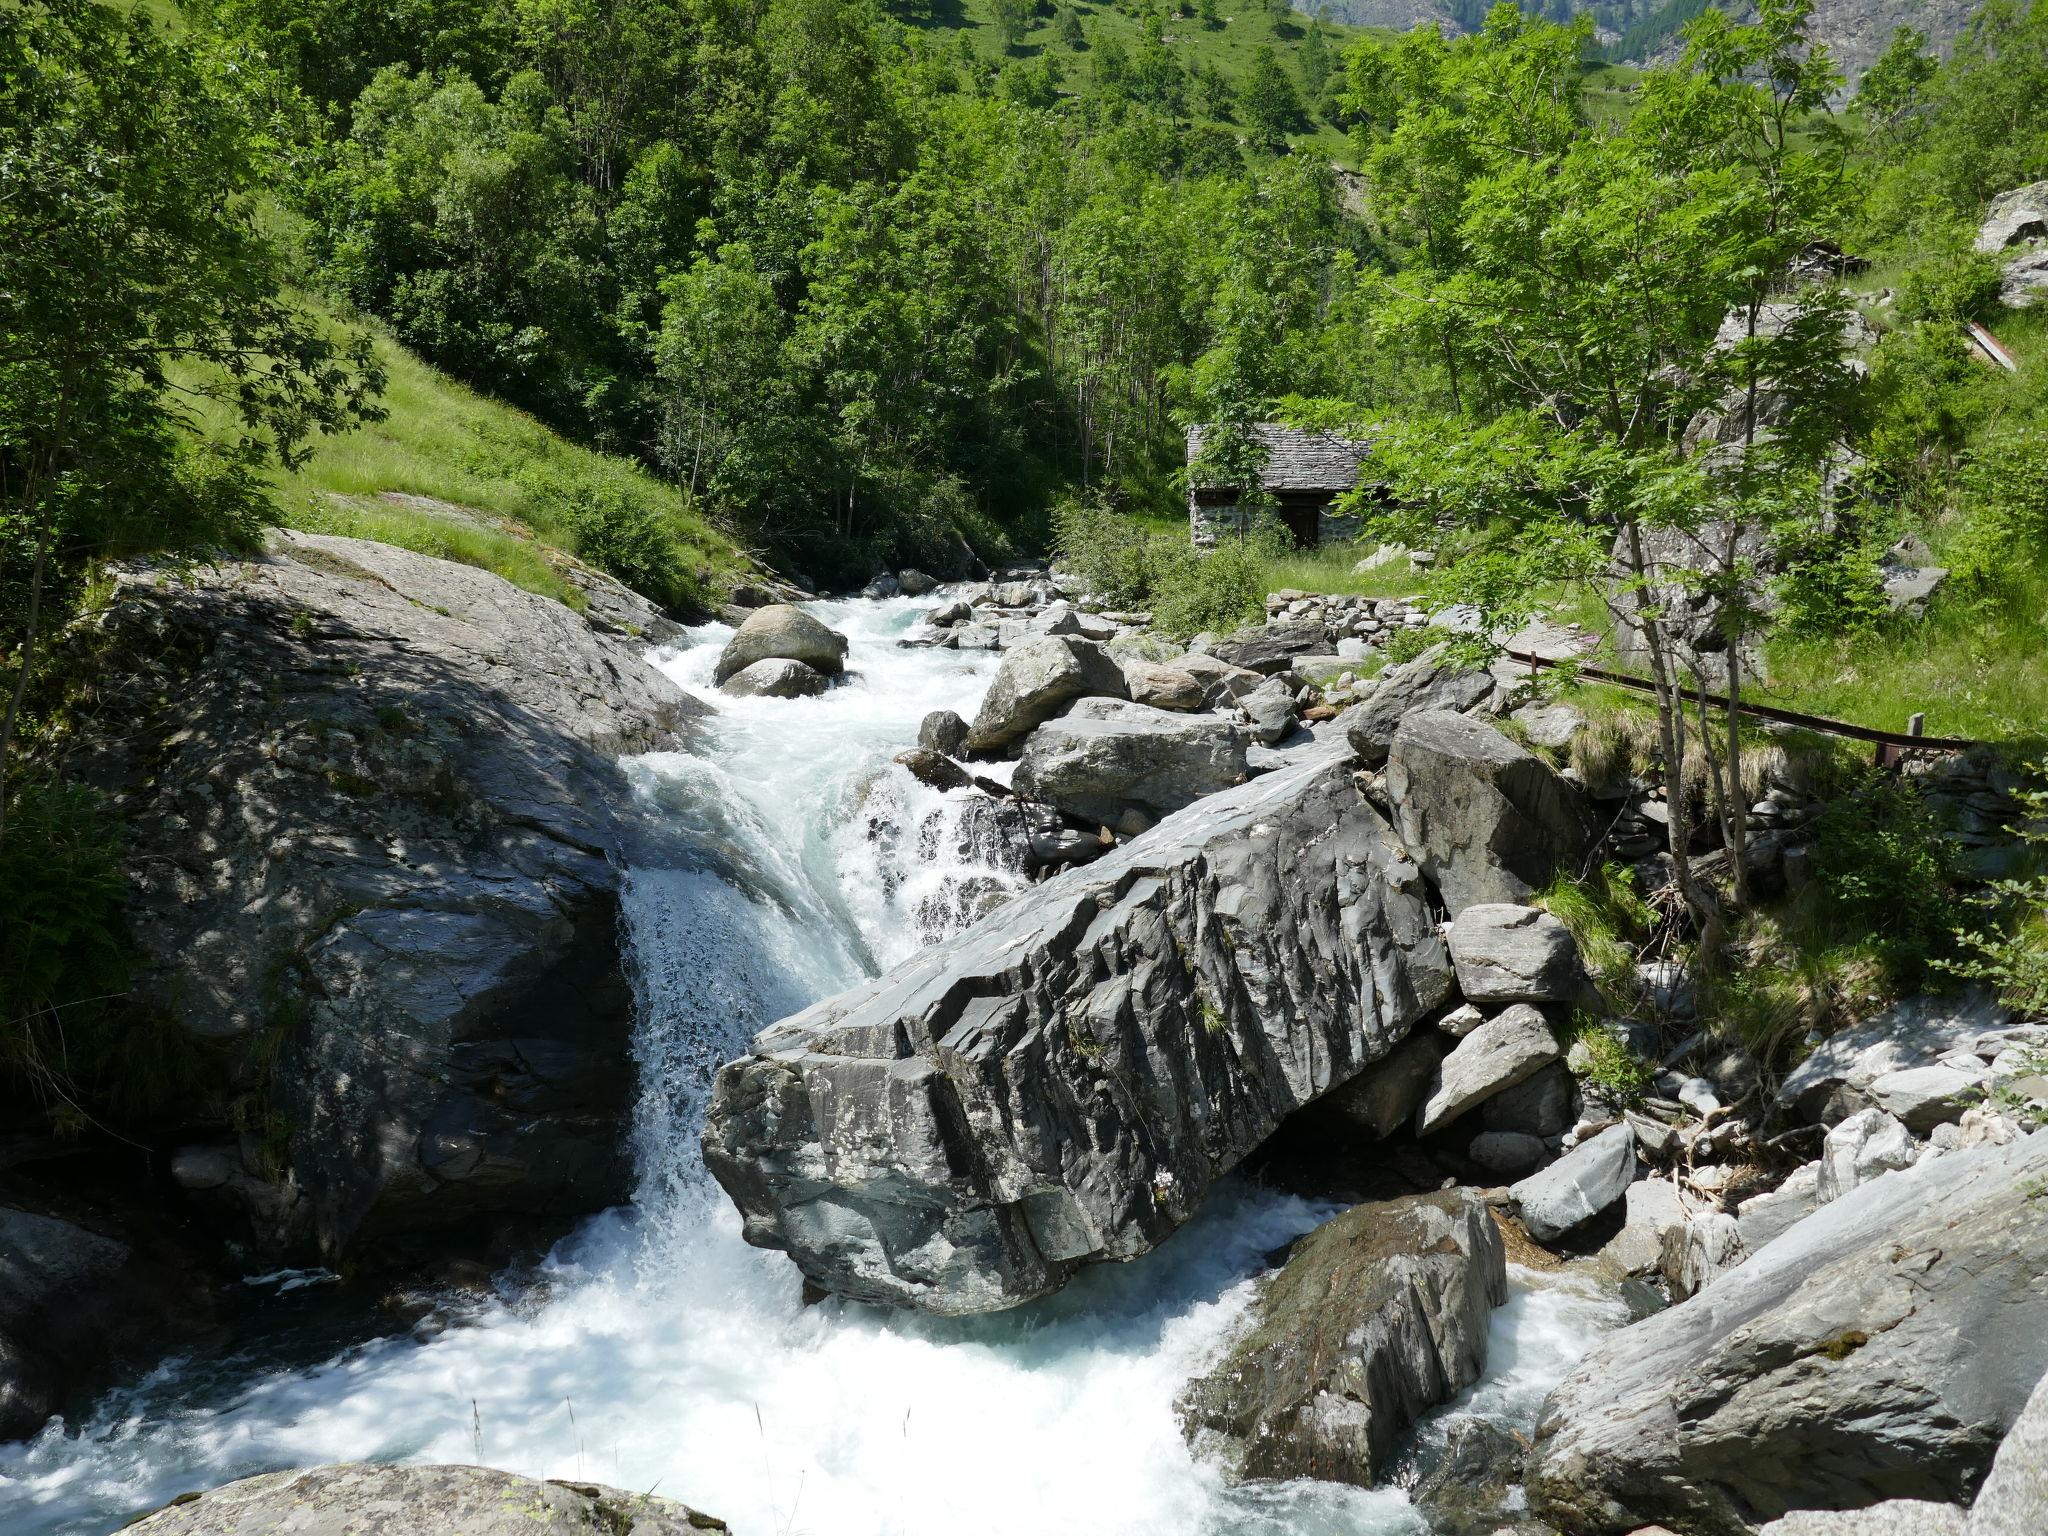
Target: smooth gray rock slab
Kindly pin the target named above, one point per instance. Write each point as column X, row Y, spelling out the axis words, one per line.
column 2014, row 1498
column 1894, row 1517
column 1486, row 820
column 1377, row 1316
column 378, row 824
column 1766, row 1217
column 1551, row 726
column 1881, row 1349
column 782, row 632
column 1497, row 1055
column 1063, row 1083
column 1161, row 685
column 1107, row 755
column 773, row 679
column 1835, row 1077
column 1514, row 954
column 1269, row 648
column 1036, row 681
column 357, row 1499
column 1430, row 681
column 1579, row 1185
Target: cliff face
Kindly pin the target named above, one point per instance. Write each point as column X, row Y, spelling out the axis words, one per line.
column 376, row 821
column 1855, row 31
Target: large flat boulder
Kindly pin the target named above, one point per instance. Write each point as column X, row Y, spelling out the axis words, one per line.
column 1036, row 681
column 1377, row 1316
column 782, row 632
column 1269, row 648
column 1881, row 1349
column 377, row 825
column 1063, row 1083
column 1487, row 821
column 1514, row 954
column 1107, row 755
column 1836, row 1078
column 357, row 1498
column 1433, row 680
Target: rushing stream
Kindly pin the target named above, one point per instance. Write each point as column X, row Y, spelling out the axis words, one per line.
column 658, row 1352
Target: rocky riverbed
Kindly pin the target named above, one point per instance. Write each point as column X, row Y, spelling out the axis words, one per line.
column 1021, row 934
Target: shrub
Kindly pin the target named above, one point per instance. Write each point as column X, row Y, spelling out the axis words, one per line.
column 1608, row 1062
column 1117, row 559
column 2006, row 501
column 2009, row 948
column 630, row 537
column 1881, row 873
column 1219, row 590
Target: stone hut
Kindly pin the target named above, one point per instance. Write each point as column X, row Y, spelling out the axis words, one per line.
column 1305, row 472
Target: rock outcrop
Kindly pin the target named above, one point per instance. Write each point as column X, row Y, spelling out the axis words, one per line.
column 356, row 1498
column 1881, row 1349
column 1062, row 1084
column 1377, row 1316
column 376, row 818
column 1512, row 954
column 1036, row 681
column 1433, row 680
column 1487, row 821
column 1105, row 756
column 1578, row 1186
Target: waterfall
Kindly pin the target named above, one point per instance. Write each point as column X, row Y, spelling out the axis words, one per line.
column 656, row 1351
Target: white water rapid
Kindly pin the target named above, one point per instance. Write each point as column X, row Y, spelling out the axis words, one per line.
column 659, row 1352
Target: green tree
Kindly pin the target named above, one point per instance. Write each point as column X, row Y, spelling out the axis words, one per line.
column 1068, row 25
column 1315, row 59
column 1013, row 20
column 1595, row 291
column 129, row 253
column 1266, row 98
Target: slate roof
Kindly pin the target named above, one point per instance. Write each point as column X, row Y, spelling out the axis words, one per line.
column 1302, row 461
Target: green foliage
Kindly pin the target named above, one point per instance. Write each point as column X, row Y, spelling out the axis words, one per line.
column 1881, row 873
column 1187, row 590
column 129, row 249
column 2007, row 486
column 1610, row 921
column 1609, row 1064
column 2007, row 947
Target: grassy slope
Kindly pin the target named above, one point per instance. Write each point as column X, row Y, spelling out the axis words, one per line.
column 1228, row 47
column 452, row 473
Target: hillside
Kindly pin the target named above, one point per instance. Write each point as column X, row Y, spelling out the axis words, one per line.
column 1645, row 31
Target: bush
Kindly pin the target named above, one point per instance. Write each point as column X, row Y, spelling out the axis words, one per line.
column 2009, row 950
column 630, row 537
column 1219, row 590
column 1881, row 873
column 1609, row 920
column 1187, row 590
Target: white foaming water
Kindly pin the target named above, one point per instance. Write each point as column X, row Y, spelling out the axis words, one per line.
column 658, row 1352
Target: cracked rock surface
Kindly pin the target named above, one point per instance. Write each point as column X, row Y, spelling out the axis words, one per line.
column 376, row 819
column 1063, row 1083
column 1881, row 1349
